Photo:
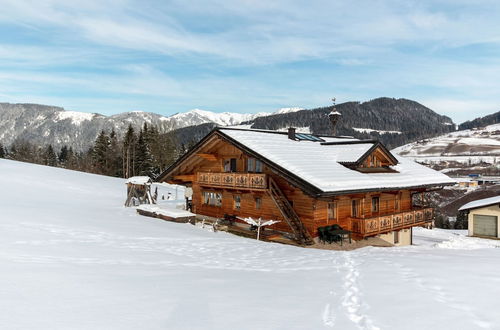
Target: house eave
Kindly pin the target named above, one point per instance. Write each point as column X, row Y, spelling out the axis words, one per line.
column 357, row 191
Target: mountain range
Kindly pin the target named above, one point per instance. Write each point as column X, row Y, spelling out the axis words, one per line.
column 43, row 125
column 393, row 121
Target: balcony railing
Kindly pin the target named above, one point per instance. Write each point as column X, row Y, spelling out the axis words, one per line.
column 234, row 180
column 386, row 223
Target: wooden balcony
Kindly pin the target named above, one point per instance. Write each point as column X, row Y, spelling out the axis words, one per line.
column 233, row 180
column 386, row 223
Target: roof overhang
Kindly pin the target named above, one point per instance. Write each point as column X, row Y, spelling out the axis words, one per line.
column 434, row 186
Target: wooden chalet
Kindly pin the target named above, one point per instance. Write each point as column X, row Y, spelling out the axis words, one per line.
column 307, row 182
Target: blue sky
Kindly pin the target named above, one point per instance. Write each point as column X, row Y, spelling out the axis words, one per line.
column 250, row 56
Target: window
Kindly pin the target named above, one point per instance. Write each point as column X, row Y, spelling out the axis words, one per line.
column 237, row 202
column 332, row 210
column 230, row 165
column 258, row 166
column 258, row 203
column 251, row 165
column 212, row 198
column 254, row 165
column 375, row 204
column 396, row 237
column 355, row 208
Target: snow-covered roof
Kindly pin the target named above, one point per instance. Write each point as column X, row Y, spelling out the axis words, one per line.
column 335, row 113
column 138, row 180
column 481, row 203
column 320, row 164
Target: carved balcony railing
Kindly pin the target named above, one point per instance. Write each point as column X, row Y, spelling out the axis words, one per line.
column 233, row 180
column 390, row 222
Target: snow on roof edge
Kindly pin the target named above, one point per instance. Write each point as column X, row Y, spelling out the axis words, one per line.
column 481, row 203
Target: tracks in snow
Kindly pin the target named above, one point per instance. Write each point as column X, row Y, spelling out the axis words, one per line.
column 351, row 303
column 352, row 299
column 437, row 292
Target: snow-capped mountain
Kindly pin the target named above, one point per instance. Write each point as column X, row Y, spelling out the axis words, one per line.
column 43, row 125
column 198, row 116
column 468, row 147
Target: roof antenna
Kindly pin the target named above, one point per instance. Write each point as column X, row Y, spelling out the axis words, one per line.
column 334, row 116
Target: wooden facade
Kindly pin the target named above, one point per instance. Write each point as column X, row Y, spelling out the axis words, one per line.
column 226, row 181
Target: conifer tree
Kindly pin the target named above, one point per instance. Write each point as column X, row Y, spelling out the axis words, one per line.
column 100, row 153
column 144, row 160
column 2, row 151
column 128, row 152
column 63, row 155
column 114, row 155
column 49, row 156
column 72, row 159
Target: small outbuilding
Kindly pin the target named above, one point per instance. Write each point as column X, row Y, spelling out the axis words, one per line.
column 483, row 217
column 139, row 191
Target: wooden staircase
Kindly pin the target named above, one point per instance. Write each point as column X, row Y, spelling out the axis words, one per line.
column 287, row 211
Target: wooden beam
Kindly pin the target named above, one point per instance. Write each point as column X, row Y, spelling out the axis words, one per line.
column 185, row 177
column 209, row 157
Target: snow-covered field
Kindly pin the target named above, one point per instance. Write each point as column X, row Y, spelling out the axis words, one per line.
column 466, row 147
column 72, row 257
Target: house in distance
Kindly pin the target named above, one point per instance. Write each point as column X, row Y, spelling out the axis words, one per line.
column 307, row 182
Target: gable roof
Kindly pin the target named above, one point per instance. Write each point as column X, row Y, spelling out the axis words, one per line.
column 481, row 203
column 374, row 146
column 318, row 167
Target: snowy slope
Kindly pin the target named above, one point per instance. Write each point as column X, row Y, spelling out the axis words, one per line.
column 467, row 146
column 72, row 257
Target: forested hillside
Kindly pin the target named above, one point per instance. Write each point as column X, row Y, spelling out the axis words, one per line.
column 481, row 122
column 138, row 152
column 392, row 121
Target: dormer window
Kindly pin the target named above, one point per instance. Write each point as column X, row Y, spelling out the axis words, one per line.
column 376, row 160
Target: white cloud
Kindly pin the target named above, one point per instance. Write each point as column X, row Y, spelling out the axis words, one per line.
column 257, row 31
column 365, row 49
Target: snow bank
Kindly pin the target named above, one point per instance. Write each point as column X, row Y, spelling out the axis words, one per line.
column 138, row 180
column 468, row 243
column 168, row 212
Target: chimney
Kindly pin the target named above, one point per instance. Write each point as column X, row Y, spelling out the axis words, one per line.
column 291, row 133
column 334, row 118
